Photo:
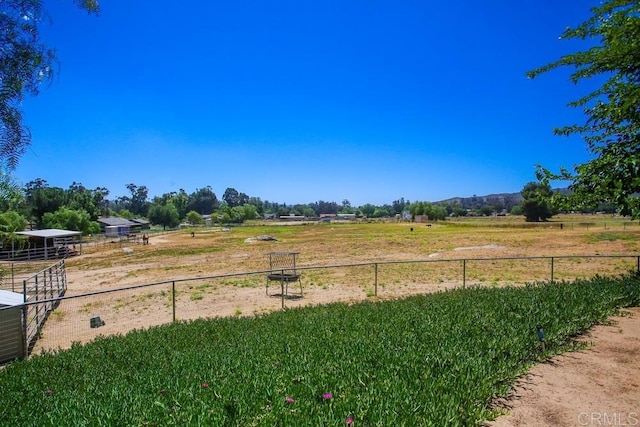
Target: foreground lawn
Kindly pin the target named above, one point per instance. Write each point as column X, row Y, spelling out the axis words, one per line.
column 437, row 359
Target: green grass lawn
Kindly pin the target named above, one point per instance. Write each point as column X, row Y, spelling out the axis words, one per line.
column 437, row 359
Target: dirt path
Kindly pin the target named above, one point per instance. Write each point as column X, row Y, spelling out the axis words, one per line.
column 599, row 386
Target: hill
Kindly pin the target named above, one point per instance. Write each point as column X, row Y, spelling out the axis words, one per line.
column 498, row 200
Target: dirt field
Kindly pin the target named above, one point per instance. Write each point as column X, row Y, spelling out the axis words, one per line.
column 586, row 388
column 599, row 386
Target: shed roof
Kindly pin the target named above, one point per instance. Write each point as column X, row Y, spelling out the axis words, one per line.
column 114, row 221
column 50, row 232
column 10, row 298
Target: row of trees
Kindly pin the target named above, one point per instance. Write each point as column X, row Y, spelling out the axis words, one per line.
column 78, row 207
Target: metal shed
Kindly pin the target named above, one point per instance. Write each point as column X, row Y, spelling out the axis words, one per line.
column 12, row 344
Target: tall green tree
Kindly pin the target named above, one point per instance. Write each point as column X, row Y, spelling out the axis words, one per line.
column 138, row 203
column 91, row 201
column 536, row 202
column 164, row 215
column 194, row 218
column 612, row 111
column 43, row 199
column 204, row 201
column 234, row 198
column 25, row 63
column 70, row 219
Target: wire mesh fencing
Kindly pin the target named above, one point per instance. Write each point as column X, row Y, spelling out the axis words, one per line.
column 68, row 319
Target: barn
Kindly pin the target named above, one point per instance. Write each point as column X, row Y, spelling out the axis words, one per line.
column 113, row 226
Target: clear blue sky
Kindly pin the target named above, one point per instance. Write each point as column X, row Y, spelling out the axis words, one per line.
column 301, row 101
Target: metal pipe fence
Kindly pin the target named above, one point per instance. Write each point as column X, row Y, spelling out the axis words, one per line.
column 84, row 317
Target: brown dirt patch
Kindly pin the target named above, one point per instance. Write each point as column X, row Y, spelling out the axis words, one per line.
column 599, row 386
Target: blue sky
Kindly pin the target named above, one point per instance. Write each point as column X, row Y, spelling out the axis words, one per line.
column 296, row 102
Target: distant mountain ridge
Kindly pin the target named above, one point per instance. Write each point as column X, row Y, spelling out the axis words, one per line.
column 497, row 200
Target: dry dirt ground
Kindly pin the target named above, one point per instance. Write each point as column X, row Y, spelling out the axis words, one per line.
column 599, row 386
column 594, row 387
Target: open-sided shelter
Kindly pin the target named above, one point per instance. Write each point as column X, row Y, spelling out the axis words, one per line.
column 52, row 243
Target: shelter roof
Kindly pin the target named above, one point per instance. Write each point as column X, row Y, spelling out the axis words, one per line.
column 10, row 298
column 50, row 232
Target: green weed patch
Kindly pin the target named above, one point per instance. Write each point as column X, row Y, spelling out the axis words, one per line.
column 437, row 359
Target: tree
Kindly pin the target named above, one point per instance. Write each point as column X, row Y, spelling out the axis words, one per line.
column 536, row 203
column 81, row 198
column 322, row 207
column 233, row 198
column 367, row 209
column 137, row 203
column 43, row 199
column 250, row 211
column 203, row 201
column 612, row 127
column 69, row 219
column 194, row 218
column 164, row 215
column 400, row 205
column 25, row 63
column 487, row 210
column 346, row 207
column 11, row 194
column 10, row 223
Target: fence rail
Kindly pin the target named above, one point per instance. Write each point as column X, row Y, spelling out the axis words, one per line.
column 83, row 317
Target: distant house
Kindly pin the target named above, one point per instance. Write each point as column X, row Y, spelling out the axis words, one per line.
column 421, row 218
column 327, row 217
column 113, row 226
column 346, row 217
column 292, row 217
column 270, row 216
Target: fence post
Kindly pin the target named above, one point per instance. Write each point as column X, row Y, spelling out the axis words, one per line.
column 375, row 278
column 464, row 273
column 281, row 290
column 551, row 269
column 37, row 298
column 173, row 299
column 48, row 287
column 25, row 318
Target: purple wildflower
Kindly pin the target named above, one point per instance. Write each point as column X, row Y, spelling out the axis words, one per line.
column 349, row 421
column 327, row 396
column 289, row 399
